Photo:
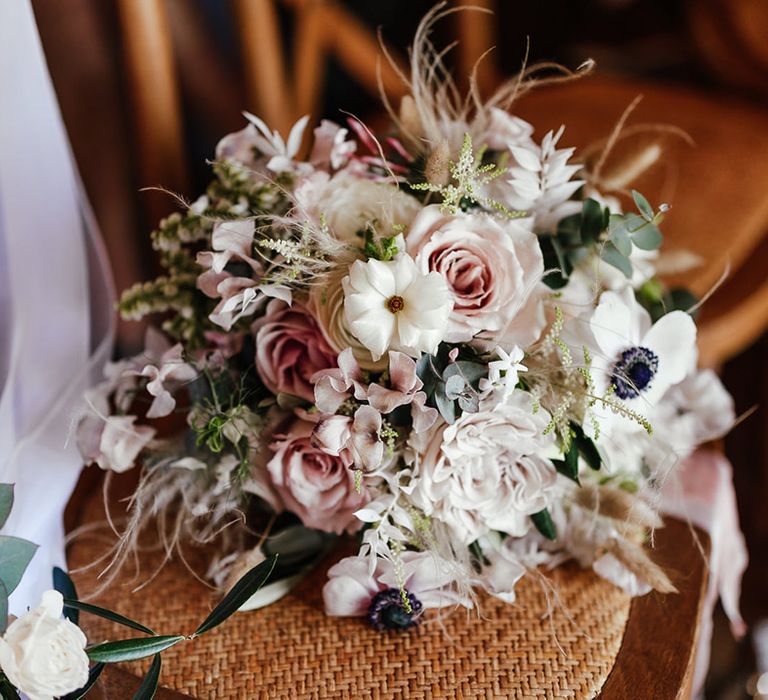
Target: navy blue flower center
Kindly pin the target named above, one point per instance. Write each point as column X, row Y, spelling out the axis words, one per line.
column 634, row 371
column 388, row 611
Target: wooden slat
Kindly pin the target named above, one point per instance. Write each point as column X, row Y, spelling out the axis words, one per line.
column 269, row 90
column 154, row 91
column 657, row 655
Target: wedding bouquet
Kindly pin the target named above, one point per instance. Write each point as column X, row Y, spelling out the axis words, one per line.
column 448, row 341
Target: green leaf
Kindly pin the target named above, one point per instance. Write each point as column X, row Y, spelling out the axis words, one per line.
column 592, row 224
column 543, row 522
column 148, row 686
column 15, row 555
column 132, row 649
column 618, row 230
column 241, row 591
column 563, row 468
column 7, row 691
column 586, row 447
column 445, row 406
column 472, row 372
column 93, row 676
column 612, row 256
column 642, row 205
column 3, row 608
column 107, row 615
column 647, row 238
column 6, row 502
column 66, row 586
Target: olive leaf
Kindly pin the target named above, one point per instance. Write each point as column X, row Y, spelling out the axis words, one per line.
column 93, row 676
column 132, row 649
column 66, row 586
column 148, row 687
column 240, row 593
column 106, row 614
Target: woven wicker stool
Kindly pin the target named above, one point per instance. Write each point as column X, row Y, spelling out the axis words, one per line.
column 596, row 643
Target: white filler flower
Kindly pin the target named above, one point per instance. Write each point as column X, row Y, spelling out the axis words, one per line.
column 43, row 654
column 391, row 306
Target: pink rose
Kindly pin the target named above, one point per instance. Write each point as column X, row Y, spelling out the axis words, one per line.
column 290, row 348
column 493, row 268
column 314, row 485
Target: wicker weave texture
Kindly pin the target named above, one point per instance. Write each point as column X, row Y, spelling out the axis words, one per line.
column 292, row 650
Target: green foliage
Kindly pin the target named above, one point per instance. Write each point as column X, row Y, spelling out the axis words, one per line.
column 15, row 555
column 6, row 502
column 658, row 300
column 544, row 524
column 132, row 649
column 93, row 676
column 148, row 687
column 451, row 387
column 469, row 176
column 384, row 249
column 74, row 604
column 66, row 586
column 241, row 591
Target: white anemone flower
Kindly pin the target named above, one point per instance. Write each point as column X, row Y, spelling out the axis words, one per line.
column 391, row 306
column 635, row 360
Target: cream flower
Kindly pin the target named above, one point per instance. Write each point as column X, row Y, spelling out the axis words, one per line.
column 486, row 471
column 351, row 204
column 42, row 654
column 389, row 305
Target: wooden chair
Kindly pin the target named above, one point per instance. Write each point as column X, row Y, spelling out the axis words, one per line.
column 719, row 212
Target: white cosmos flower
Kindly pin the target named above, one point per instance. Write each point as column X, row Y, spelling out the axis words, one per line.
column 639, row 360
column 391, row 306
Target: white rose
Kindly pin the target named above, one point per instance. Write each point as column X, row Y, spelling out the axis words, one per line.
column 43, row 654
column 486, row 471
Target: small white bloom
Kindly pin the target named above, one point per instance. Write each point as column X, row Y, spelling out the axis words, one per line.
column 121, row 442
column 270, row 143
column 42, row 654
column 166, row 376
column 391, row 306
column 504, row 372
column 539, row 181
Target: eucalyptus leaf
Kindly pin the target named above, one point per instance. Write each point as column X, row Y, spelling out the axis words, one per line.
column 454, row 386
column 6, row 502
column 543, row 522
column 469, row 403
column 148, row 686
column 617, row 230
column 471, row 372
column 240, row 593
column 3, row 608
column 132, row 649
column 647, row 238
column 445, row 406
column 611, row 255
column 93, row 676
column 66, row 586
column 15, row 555
column 643, row 206
column 107, row 615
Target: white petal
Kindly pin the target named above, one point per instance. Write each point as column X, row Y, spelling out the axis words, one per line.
column 673, row 339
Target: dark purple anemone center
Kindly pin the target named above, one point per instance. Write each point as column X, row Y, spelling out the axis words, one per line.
column 634, row 371
column 388, row 610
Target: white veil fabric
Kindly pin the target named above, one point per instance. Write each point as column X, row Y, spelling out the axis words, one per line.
column 56, row 301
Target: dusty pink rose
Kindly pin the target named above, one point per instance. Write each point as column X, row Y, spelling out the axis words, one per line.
column 314, row 485
column 290, row 349
column 493, row 268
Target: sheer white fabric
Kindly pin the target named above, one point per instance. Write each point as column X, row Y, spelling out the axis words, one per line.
column 56, row 298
